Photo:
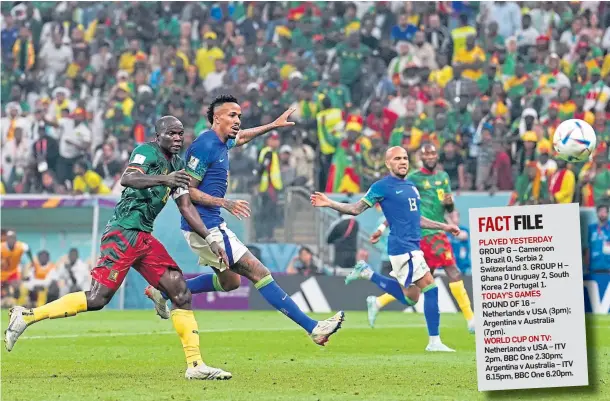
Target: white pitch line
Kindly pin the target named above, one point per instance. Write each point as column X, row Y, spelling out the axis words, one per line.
column 147, row 333
column 259, row 329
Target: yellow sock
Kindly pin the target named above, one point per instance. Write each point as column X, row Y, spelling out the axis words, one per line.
column 384, row 300
column 65, row 306
column 186, row 327
column 461, row 296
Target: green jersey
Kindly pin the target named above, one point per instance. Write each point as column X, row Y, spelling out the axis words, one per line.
column 432, row 189
column 138, row 208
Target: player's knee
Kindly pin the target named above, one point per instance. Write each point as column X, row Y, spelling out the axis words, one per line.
column 182, row 298
column 412, row 294
column 230, row 283
column 453, row 273
column 177, row 289
column 97, row 300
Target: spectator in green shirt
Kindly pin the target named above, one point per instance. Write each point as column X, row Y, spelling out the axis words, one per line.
column 169, row 27
column 338, row 93
column 351, row 55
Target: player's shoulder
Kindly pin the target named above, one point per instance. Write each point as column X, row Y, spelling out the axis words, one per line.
column 382, row 183
column 206, row 141
column 147, row 148
column 144, row 153
column 442, row 174
column 414, row 174
column 410, row 182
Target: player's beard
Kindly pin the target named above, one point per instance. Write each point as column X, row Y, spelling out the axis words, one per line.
column 430, row 166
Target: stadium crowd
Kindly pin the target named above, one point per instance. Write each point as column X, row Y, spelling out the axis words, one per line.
column 488, row 83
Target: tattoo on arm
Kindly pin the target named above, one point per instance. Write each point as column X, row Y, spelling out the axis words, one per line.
column 245, row 136
column 350, row 208
column 201, row 198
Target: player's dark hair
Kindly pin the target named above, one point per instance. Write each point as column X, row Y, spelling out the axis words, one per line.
column 603, row 206
column 464, row 19
column 219, row 101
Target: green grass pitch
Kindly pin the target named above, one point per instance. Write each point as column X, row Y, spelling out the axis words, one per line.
column 133, row 355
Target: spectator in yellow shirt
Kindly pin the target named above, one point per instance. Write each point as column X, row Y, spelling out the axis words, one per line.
column 173, row 54
column 206, row 57
column 444, row 73
column 470, row 60
column 122, row 94
column 87, row 181
column 129, row 58
column 459, row 35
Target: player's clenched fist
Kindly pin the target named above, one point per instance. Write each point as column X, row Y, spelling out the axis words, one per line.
column 448, row 199
column 218, row 251
column 178, row 179
column 318, row 199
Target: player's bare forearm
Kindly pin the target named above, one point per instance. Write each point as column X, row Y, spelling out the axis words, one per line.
column 135, row 179
column 353, row 209
column 190, row 214
column 434, row 225
column 201, row 198
column 246, row 135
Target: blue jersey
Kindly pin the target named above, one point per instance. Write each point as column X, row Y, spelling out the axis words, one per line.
column 599, row 247
column 207, row 160
column 399, row 200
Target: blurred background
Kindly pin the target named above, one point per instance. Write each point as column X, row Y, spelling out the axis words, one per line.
column 487, row 83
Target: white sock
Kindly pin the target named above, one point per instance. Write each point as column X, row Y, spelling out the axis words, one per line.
column 377, row 304
column 435, row 340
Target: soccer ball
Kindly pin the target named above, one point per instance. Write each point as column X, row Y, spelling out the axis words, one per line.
column 574, row 140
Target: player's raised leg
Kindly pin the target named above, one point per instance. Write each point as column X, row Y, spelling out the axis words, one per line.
column 251, row 268
column 117, row 255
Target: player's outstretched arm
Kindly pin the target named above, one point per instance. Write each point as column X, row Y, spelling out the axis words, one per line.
column 134, row 178
column 435, row 225
column 246, row 135
column 238, row 208
column 190, row 214
column 318, row 199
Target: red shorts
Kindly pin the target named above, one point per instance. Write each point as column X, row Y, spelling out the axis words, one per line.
column 122, row 249
column 437, row 251
column 13, row 277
